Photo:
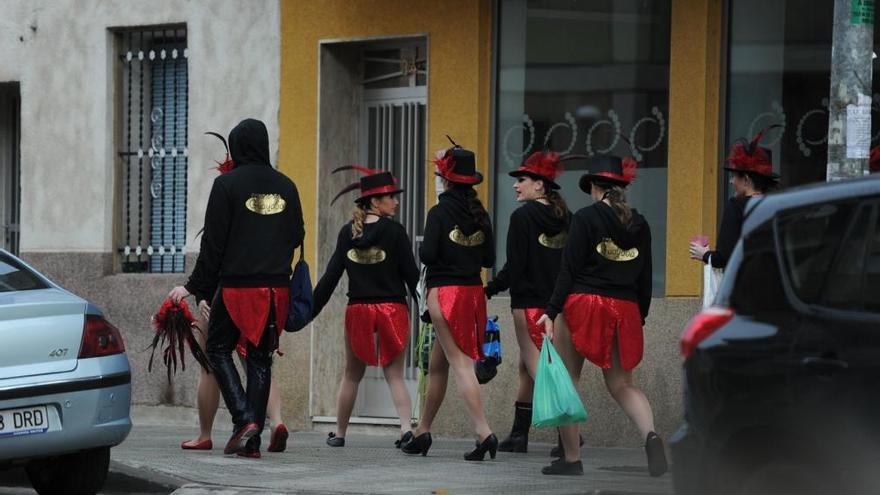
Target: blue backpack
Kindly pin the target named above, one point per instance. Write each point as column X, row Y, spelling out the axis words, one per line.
column 301, row 299
column 486, row 368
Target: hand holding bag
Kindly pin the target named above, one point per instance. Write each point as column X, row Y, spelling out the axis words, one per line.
column 302, row 301
column 555, row 401
column 711, row 282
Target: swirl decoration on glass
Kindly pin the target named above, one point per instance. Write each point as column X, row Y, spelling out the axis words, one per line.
column 656, row 122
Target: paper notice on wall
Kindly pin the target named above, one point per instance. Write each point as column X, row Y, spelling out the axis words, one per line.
column 858, row 129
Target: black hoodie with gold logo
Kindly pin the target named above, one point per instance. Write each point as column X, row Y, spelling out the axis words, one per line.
column 455, row 247
column 253, row 222
column 380, row 265
column 606, row 258
column 535, row 240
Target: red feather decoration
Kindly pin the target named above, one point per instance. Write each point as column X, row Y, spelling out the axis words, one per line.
column 227, row 164
column 173, row 325
column 446, row 163
column 359, row 168
column 742, row 159
column 629, row 168
column 545, row 163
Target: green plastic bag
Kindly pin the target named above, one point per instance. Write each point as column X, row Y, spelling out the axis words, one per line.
column 555, row 401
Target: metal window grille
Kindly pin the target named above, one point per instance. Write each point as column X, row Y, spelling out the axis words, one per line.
column 153, row 149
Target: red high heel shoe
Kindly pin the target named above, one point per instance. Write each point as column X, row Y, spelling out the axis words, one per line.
column 197, row 445
column 279, row 439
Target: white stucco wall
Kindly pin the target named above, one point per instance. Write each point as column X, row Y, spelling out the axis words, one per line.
column 60, row 52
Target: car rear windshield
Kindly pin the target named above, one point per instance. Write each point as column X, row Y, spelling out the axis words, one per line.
column 14, row 276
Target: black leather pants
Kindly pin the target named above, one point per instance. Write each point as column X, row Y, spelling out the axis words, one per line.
column 223, row 335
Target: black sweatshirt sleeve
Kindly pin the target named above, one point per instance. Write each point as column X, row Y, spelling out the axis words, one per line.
column 728, row 235
column 408, row 269
column 644, row 284
column 488, row 249
column 206, row 274
column 334, row 271
column 517, row 242
column 573, row 257
column 429, row 251
column 299, row 227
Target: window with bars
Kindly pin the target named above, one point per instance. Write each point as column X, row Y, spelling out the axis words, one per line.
column 152, row 148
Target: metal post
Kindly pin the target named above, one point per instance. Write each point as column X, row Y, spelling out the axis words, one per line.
column 849, row 120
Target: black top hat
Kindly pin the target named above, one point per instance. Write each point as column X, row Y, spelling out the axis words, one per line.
column 458, row 165
column 373, row 183
column 608, row 168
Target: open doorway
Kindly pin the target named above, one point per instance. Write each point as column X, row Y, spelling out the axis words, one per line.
column 373, row 112
column 10, row 166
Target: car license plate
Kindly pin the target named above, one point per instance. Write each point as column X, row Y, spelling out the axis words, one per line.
column 24, row 421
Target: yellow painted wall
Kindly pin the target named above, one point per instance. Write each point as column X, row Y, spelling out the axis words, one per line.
column 694, row 119
column 459, row 73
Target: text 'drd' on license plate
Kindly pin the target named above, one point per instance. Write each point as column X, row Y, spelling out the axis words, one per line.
column 23, row 421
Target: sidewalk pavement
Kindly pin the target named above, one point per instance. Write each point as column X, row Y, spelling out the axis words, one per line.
column 370, row 464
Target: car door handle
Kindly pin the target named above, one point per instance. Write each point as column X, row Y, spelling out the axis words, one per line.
column 824, row 364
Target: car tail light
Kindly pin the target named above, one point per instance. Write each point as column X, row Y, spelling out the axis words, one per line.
column 702, row 326
column 100, row 338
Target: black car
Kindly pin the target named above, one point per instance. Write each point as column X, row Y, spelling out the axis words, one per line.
column 782, row 375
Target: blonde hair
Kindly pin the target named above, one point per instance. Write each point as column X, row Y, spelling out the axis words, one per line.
column 358, row 215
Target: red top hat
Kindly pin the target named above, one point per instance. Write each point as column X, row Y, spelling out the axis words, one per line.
column 373, row 183
column 751, row 158
column 541, row 165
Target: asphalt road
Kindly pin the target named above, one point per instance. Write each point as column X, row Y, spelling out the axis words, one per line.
column 15, row 482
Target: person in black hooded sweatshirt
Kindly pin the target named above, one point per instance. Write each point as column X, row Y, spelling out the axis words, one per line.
column 457, row 243
column 376, row 252
column 535, row 239
column 602, row 296
column 253, row 224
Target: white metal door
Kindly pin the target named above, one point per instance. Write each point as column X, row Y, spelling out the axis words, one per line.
column 393, row 138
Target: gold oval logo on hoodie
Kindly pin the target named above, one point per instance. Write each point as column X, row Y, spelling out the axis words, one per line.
column 611, row 251
column 553, row 241
column 369, row 256
column 266, row 204
column 459, row 237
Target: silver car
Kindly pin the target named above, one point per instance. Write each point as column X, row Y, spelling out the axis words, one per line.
column 65, row 383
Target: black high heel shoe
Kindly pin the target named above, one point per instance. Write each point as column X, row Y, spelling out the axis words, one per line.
column 404, row 439
column 490, row 444
column 418, row 445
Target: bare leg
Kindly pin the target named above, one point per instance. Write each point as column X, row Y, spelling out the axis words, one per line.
column 207, row 393
column 462, row 367
column 574, row 362
column 438, row 377
column 399, row 393
column 630, row 398
column 348, row 387
column 528, row 354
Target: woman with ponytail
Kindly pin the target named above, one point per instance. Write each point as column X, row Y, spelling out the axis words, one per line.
column 376, row 252
column 600, row 302
column 457, row 243
column 535, row 239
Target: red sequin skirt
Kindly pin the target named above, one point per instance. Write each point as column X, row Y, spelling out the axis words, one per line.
column 596, row 320
column 464, row 309
column 387, row 321
column 249, row 307
column 536, row 332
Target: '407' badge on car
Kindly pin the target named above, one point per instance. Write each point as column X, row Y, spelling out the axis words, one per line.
column 24, row 421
